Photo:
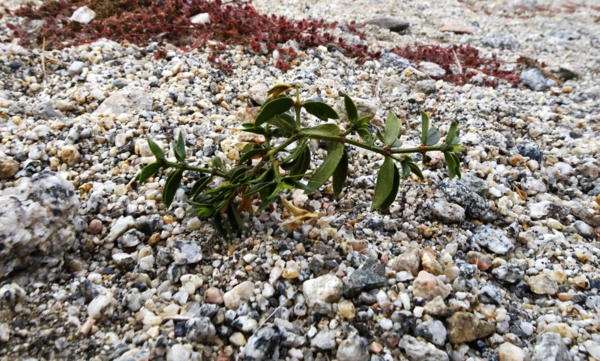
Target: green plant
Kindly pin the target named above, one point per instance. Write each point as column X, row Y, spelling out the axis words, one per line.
column 284, row 158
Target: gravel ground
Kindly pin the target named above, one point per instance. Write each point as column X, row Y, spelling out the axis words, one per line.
column 502, row 265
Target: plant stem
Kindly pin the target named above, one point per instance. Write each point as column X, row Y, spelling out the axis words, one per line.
column 186, row 166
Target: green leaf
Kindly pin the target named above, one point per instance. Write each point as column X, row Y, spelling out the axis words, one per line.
column 380, row 137
column 205, row 212
column 364, row 120
column 234, row 217
column 392, row 129
column 171, row 186
column 433, row 136
column 257, row 188
column 255, row 130
column 218, row 224
column 268, row 200
column 320, row 110
column 385, row 182
column 303, row 163
column 285, row 122
column 451, row 133
column 456, row 165
column 251, row 153
column 271, row 109
column 155, row 149
column 179, row 148
column 296, row 184
column 326, row 169
column 394, row 192
column 236, row 173
column 409, row 166
column 324, row 130
column 366, row 136
column 456, row 138
column 217, row 162
column 457, row 148
column 351, row 110
column 199, row 186
column 424, row 127
column 148, row 172
column 451, row 164
column 340, row 174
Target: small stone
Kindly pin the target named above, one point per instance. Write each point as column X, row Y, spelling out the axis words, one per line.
column 102, row 306
column 550, row 346
column 324, row 340
column 474, row 205
column 542, row 285
column 432, row 69
column 376, row 347
column 457, row 27
column 431, row 264
column 327, row 288
column 245, row 324
column 239, row 294
column 509, row 352
column 370, row 275
column 258, row 93
column 492, row 239
column 131, row 238
column 534, row 79
column 76, row 67
column 428, row 286
column 394, row 61
column 393, row 24
column 353, row 348
column 592, row 348
column 448, row 212
column 202, row 18
column 561, row 328
column 179, row 352
column 409, row 261
column 95, row 226
column 8, row 168
column 200, row 330
column 264, row 345
column 482, row 261
column 213, row 296
column 120, row 227
column 4, row 332
column 237, row 339
column 466, row 327
column 83, row 15
column 184, row 252
column 433, row 331
column 346, row 309
column 437, row 308
column 421, row 351
column 126, row 100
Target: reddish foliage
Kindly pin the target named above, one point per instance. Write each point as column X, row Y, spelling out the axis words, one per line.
column 469, row 59
column 234, row 23
column 144, row 21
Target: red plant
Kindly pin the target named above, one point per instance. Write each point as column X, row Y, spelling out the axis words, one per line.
column 234, row 23
column 462, row 63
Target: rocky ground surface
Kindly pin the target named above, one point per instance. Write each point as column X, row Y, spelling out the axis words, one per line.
column 502, row 265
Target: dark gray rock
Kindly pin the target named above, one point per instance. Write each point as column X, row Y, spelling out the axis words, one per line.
column 393, row 24
column 530, row 150
column 264, row 345
column 509, row 273
column 391, row 60
column 46, row 110
column 475, row 205
column 200, row 330
column 475, row 184
column 370, row 275
column 500, row 41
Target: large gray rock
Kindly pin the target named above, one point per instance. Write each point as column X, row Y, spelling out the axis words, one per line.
column 535, row 80
column 475, row 205
column 550, row 346
column 36, row 223
column 128, row 100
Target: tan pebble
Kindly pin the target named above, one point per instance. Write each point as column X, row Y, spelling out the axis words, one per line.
column 346, row 309
column 154, row 239
column 509, row 352
column 300, row 249
column 358, row 244
column 168, row 219
column 87, row 326
column 8, row 168
column 95, row 226
column 69, row 154
column 482, row 261
column 213, row 295
column 567, row 89
column 376, row 347
column 430, row 264
column 563, row 296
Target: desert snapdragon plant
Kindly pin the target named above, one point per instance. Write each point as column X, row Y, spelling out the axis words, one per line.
column 282, row 160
